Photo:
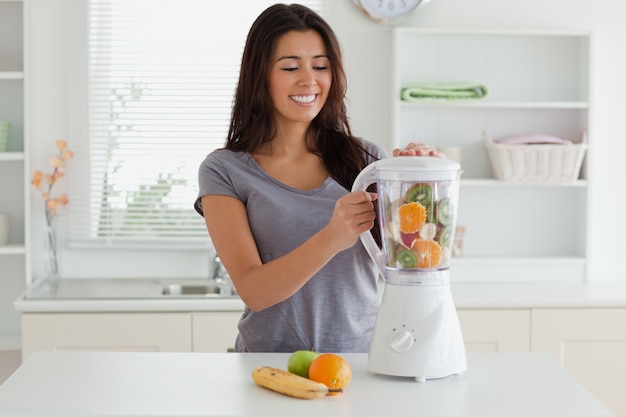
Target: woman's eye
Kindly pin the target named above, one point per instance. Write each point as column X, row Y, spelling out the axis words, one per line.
column 320, row 68
column 290, row 69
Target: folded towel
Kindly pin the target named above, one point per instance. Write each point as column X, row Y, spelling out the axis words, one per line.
column 453, row 91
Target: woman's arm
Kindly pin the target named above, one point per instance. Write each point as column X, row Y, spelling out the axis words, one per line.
column 263, row 285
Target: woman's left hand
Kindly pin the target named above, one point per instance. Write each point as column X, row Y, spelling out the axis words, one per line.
column 418, row 149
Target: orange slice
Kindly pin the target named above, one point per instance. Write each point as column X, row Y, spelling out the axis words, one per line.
column 428, row 252
column 411, row 217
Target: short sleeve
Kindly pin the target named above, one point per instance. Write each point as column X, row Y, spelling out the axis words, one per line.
column 213, row 179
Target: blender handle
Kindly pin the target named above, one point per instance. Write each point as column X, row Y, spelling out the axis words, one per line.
column 366, row 178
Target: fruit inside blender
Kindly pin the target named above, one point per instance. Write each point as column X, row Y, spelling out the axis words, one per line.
column 419, row 226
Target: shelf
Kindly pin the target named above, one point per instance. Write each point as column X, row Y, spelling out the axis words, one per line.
column 11, row 75
column 486, row 104
column 507, row 184
column 11, row 156
column 491, row 32
column 10, row 341
column 533, row 261
column 12, row 249
column 537, row 82
column 518, row 269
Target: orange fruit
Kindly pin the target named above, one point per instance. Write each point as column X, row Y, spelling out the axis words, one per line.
column 411, row 217
column 331, row 370
column 428, row 252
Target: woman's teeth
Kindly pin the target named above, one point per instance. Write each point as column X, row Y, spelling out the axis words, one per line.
column 303, row 99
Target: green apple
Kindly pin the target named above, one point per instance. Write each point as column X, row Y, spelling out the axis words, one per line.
column 300, row 360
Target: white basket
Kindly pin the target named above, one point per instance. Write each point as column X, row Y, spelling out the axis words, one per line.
column 537, row 162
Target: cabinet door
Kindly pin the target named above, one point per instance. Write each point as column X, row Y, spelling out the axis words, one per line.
column 591, row 344
column 106, row 332
column 215, row 331
column 496, row 330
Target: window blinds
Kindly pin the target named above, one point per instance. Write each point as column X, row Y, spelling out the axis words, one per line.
column 153, row 82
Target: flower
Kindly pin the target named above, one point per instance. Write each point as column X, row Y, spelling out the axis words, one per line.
column 44, row 182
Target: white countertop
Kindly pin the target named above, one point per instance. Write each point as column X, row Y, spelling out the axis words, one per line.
column 466, row 296
column 68, row 384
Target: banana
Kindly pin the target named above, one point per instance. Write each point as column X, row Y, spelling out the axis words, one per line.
column 290, row 384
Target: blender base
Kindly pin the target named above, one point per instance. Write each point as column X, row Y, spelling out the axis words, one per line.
column 417, row 332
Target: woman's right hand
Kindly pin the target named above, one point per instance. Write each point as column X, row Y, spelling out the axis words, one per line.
column 418, row 149
column 353, row 214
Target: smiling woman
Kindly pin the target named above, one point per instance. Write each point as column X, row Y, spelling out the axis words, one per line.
column 277, row 200
column 158, row 101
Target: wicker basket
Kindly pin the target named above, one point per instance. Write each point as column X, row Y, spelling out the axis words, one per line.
column 547, row 163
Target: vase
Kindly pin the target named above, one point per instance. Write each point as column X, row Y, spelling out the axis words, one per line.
column 51, row 266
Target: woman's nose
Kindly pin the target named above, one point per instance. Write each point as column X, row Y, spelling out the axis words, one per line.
column 307, row 78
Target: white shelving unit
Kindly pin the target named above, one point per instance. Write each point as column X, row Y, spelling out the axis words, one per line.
column 538, row 82
column 13, row 179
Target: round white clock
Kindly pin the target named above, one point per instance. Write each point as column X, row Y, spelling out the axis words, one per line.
column 383, row 10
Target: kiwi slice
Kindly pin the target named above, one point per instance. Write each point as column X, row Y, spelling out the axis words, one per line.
column 421, row 193
column 445, row 236
column 406, row 258
column 445, row 210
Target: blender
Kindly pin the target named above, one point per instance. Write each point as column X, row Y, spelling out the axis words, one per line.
column 417, row 332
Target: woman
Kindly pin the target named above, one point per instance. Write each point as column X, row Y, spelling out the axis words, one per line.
column 277, row 200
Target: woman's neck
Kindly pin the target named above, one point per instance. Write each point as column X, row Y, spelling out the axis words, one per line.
column 288, row 141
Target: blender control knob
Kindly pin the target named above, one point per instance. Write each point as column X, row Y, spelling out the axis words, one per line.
column 401, row 341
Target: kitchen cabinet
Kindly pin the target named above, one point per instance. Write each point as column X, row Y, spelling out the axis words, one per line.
column 215, row 332
column 483, row 330
column 538, row 82
column 158, row 332
column 162, row 331
column 13, row 179
column 591, row 344
column 496, row 330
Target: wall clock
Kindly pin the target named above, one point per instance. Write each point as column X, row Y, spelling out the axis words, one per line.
column 384, row 10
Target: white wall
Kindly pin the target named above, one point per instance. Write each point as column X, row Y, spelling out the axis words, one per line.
column 366, row 47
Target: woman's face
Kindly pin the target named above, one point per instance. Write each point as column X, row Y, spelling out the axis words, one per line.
column 299, row 77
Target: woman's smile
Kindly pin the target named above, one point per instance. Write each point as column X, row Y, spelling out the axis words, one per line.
column 304, row 99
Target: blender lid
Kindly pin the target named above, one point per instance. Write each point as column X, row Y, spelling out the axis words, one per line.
column 427, row 168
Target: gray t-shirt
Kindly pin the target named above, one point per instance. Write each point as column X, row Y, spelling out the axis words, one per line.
column 336, row 309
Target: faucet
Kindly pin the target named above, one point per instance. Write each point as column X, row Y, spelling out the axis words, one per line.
column 219, row 275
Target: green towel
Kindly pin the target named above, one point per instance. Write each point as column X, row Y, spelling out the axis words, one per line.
column 452, row 91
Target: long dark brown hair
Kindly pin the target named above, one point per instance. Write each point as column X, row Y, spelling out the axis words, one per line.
column 253, row 123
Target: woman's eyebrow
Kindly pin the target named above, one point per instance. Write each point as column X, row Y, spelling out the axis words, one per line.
column 299, row 57
column 288, row 57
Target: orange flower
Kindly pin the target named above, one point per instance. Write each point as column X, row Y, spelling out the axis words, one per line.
column 44, row 182
column 37, row 177
column 56, row 161
column 62, row 200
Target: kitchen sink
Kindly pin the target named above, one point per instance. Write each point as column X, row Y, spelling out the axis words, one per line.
column 207, row 290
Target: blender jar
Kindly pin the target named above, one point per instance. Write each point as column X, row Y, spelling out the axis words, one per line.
column 417, row 220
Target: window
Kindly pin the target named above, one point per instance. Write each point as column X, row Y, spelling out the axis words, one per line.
column 151, row 94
